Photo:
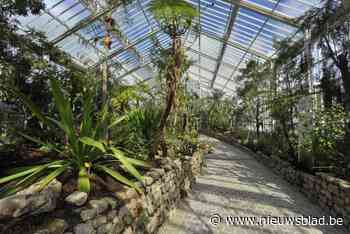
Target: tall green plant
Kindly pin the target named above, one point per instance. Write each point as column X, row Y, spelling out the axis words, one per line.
column 175, row 18
column 327, row 131
column 85, row 150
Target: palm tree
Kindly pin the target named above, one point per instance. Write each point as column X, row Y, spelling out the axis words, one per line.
column 175, row 18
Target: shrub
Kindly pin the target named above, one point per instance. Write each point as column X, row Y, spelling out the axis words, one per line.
column 84, row 148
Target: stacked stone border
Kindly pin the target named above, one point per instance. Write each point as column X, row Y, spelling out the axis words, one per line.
column 330, row 193
column 127, row 212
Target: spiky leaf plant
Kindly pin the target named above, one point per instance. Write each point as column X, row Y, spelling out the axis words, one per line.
column 85, row 151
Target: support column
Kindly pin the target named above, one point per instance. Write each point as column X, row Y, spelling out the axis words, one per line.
column 306, row 104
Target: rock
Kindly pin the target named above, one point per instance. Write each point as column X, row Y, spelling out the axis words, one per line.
column 116, row 220
column 147, row 180
column 123, row 211
column 153, row 224
column 88, row 214
column 54, row 226
column 131, row 194
column 84, row 228
column 117, row 229
column 105, row 229
column 77, row 198
column 111, row 214
column 54, row 186
column 134, row 207
column 114, row 185
column 42, row 231
column 112, row 202
column 128, row 231
column 99, row 205
column 30, row 201
column 99, row 221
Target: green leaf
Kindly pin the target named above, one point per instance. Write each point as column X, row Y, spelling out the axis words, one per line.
column 129, row 167
column 8, row 190
column 34, row 174
column 19, row 174
column 83, row 180
column 86, row 128
column 91, row 142
column 44, row 182
column 63, row 107
column 61, row 125
column 117, row 121
column 138, row 162
column 118, row 177
column 41, row 143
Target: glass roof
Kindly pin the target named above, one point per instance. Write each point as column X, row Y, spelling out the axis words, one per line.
column 232, row 32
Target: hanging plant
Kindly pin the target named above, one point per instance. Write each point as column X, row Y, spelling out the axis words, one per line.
column 107, row 41
column 109, row 22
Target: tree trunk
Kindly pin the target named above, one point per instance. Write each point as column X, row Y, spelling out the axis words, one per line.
column 173, row 77
column 345, row 75
column 104, row 90
column 257, row 119
column 291, row 149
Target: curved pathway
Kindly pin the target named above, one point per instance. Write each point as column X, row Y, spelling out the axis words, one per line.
column 235, row 184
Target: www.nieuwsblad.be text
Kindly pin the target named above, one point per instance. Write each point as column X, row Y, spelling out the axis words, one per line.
column 217, row 219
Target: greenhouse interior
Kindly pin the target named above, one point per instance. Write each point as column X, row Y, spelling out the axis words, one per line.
column 174, row 116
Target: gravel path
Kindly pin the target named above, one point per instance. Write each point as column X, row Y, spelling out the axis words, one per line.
column 235, row 184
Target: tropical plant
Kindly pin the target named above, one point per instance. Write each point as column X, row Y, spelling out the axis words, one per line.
column 328, row 130
column 254, row 79
column 123, row 96
column 85, row 150
column 27, row 61
column 330, row 26
column 219, row 110
column 175, row 18
column 136, row 135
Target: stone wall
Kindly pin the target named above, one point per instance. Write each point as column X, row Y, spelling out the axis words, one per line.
column 331, row 193
column 126, row 212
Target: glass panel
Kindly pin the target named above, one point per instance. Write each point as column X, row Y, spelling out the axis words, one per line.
column 84, row 53
column 232, row 55
column 214, row 15
column 266, row 4
column 296, row 8
column 207, row 63
column 220, row 81
column 210, row 46
column 225, row 71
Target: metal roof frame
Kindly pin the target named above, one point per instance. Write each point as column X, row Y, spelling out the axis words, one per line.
column 229, row 27
column 241, row 28
column 267, row 13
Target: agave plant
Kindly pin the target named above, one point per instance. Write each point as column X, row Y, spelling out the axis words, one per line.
column 85, row 151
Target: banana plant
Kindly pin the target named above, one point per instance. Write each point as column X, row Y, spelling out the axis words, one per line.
column 85, row 151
